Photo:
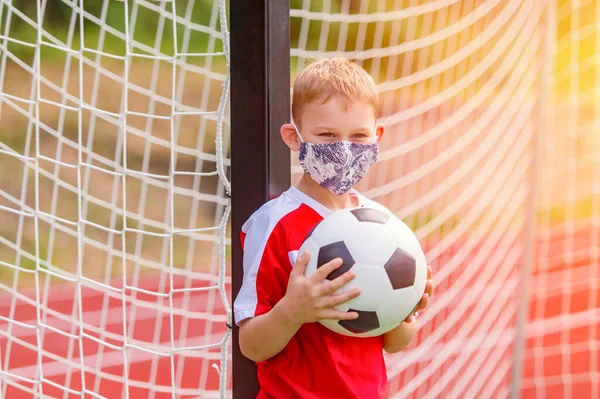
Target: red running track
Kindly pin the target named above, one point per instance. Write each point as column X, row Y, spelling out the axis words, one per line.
column 562, row 357
column 561, row 346
column 148, row 326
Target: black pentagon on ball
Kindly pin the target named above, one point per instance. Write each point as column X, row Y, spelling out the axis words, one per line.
column 366, row 321
column 370, row 215
column 330, row 252
column 401, row 269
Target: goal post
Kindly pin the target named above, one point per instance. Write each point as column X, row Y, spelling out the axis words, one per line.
column 260, row 104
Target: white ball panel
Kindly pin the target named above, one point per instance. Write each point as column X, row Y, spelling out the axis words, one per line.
column 404, row 236
column 420, row 275
column 368, row 242
column 374, row 285
column 330, row 229
column 398, row 306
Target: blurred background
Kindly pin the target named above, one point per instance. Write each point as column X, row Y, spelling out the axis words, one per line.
column 114, row 163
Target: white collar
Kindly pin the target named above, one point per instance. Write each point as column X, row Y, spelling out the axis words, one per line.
column 321, row 209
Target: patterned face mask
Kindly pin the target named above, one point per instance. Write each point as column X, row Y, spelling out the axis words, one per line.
column 339, row 165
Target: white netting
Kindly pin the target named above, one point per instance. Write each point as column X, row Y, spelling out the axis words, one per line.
column 466, row 86
column 562, row 350
column 112, row 245
column 114, row 140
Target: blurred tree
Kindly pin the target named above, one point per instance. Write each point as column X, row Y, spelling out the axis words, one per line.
column 56, row 12
column 58, row 15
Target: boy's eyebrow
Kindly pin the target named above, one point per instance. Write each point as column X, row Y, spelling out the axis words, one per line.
column 333, row 129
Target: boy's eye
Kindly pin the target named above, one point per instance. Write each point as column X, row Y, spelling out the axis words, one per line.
column 326, row 134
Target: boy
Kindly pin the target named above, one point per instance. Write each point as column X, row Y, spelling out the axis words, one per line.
column 334, row 107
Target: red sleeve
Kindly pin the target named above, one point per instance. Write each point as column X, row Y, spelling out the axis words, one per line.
column 269, row 241
column 266, row 264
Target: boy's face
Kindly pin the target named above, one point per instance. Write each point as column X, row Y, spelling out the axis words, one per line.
column 325, row 122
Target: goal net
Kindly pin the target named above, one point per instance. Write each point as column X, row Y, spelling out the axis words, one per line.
column 114, row 234
column 492, row 156
column 459, row 89
column 114, row 138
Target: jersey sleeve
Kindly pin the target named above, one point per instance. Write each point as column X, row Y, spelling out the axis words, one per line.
column 266, row 267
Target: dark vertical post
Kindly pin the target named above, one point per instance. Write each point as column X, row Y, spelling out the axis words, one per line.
column 260, row 161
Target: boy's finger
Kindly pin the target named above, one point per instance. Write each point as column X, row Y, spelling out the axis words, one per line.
column 429, row 272
column 301, row 262
column 323, row 271
column 423, row 303
column 338, row 315
column 337, row 283
column 336, row 300
column 429, row 287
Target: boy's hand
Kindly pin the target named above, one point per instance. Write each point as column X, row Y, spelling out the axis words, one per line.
column 428, row 291
column 309, row 299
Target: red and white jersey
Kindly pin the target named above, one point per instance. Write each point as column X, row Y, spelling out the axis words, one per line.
column 317, row 362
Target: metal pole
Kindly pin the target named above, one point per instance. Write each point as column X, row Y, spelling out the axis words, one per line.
column 260, row 161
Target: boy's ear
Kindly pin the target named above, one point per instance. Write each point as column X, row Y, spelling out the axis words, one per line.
column 290, row 137
column 379, row 131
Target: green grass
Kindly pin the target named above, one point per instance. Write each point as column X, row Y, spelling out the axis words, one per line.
column 58, row 18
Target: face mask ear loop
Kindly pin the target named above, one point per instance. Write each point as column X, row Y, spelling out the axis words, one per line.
column 298, row 133
column 376, row 141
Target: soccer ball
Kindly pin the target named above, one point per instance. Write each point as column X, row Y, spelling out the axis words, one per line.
column 387, row 260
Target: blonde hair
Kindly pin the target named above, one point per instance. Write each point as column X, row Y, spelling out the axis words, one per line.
column 331, row 77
